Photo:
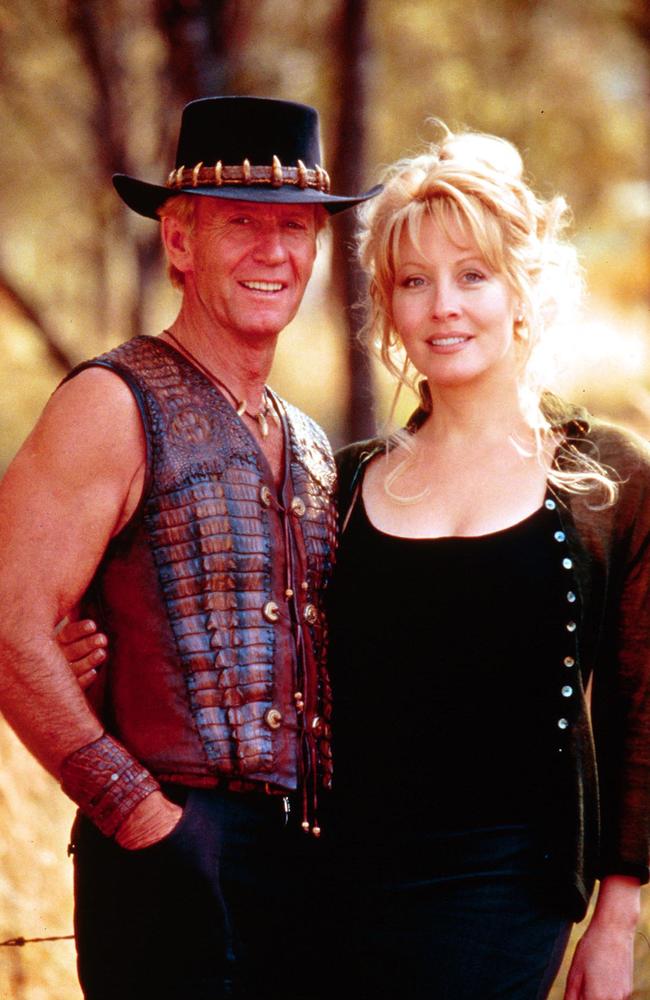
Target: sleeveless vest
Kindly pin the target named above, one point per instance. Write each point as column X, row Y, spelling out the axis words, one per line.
column 212, row 595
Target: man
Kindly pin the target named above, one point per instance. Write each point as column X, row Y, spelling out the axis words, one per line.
column 168, row 487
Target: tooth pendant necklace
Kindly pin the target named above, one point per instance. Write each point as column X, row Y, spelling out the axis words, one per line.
column 266, row 408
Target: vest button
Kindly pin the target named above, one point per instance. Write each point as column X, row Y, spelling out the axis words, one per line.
column 317, row 725
column 273, row 718
column 310, row 614
column 266, row 496
column 271, row 611
column 298, row 506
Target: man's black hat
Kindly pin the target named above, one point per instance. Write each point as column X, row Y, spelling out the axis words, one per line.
column 244, row 149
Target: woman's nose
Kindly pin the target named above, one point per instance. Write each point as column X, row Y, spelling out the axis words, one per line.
column 445, row 301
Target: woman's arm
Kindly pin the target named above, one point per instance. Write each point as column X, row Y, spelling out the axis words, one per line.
column 602, row 967
column 83, row 647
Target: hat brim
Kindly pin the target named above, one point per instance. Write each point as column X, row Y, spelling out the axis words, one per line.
column 146, row 199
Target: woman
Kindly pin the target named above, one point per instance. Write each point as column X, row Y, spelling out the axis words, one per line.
column 493, row 561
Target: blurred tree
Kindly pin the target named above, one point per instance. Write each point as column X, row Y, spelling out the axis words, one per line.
column 350, row 168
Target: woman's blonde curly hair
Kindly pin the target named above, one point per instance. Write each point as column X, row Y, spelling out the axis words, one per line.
column 474, row 184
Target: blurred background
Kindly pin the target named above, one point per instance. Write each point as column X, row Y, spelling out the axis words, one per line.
column 91, row 87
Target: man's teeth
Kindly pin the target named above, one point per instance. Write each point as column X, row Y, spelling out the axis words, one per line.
column 263, row 286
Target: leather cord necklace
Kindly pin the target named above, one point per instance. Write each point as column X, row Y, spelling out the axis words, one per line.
column 241, row 405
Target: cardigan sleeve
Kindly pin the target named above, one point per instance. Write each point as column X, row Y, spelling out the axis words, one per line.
column 621, row 682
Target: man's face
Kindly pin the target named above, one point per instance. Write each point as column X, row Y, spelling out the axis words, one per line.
column 249, row 265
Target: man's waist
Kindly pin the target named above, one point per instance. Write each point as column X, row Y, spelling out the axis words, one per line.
column 227, row 784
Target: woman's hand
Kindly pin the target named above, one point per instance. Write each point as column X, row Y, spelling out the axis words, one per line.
column 603, row 964
column 83, row 647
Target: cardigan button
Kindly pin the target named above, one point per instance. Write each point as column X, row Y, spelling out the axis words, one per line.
column 567, row 563
column 571, row 597
column 569, row 661
column 271, row 611
column 550, row 504
column 563, row 723
column 559, row 536
column 567, row 691
column 571, row 626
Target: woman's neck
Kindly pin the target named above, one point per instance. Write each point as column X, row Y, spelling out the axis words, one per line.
column 467, row 414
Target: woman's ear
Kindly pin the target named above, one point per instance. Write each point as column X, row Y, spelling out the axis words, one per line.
column 176, row 237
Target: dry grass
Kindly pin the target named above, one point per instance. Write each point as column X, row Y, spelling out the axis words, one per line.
column 36, row 886
column 35, row 879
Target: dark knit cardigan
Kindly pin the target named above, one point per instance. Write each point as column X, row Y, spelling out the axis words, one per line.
column 597, row 818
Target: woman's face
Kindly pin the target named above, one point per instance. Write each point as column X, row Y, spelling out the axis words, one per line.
column 454, row 315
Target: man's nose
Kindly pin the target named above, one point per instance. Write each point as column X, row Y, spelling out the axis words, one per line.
column 270, row 247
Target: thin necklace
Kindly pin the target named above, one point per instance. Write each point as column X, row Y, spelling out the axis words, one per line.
column 241, row 406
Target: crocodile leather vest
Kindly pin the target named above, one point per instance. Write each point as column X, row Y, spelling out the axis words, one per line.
column 212, row 594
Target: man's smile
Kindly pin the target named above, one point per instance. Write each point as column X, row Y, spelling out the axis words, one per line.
column 264, row 286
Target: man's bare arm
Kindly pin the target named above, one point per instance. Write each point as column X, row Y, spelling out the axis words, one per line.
column 72, row 486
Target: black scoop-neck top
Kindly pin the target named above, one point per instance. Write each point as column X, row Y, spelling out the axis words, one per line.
column 441, row 650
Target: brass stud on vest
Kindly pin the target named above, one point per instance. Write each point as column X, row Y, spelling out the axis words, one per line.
column 273, row 718
column 310, row 614
column 271, row 611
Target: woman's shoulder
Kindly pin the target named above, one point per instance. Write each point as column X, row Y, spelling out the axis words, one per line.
column 620, row 448
column 352, row 457
column 614, row 445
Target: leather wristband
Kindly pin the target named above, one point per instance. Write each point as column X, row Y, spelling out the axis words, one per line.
column 106, row 782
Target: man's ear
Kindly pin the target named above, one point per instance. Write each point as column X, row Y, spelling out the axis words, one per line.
column 176, row 239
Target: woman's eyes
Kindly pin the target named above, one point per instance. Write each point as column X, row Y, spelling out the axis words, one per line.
column 471, row 277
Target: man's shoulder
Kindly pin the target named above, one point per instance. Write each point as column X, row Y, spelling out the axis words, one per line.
column 129, row 358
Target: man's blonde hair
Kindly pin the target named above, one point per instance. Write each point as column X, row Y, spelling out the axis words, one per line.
column 182, row 208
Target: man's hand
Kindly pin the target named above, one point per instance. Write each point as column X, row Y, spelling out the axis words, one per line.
column 83, row 647
column 602, row 967
column 150, row 821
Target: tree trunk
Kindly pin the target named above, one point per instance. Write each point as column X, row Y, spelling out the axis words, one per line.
column 349, row 171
